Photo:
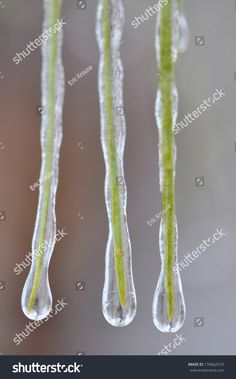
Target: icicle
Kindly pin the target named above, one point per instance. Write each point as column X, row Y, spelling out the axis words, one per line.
column 119, row 299
column 171, row 38
column 36, row 298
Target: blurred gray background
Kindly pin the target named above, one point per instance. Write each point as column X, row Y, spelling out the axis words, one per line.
column 206, row 149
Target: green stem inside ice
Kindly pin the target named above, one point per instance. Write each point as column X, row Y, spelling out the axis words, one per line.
column 113, row 171
column 167, row 150
column 54, row 11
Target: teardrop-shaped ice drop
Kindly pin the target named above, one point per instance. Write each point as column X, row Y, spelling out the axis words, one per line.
column 115, row 313
column 42, row 304
column 160, row 301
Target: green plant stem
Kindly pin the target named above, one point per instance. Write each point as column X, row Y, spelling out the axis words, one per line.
column 167, row 150
column 50, row 116
column 113, row 171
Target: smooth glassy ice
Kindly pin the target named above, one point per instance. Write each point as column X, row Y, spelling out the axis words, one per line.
column 160, row 308
column 115, row 313
column 180, row 38
column 49, row 179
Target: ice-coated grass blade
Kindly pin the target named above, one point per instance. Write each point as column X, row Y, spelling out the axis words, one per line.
column 36, row 296
column 168, row 303
column 119, row 300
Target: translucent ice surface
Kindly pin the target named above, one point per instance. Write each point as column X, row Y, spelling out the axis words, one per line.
column 160, row 308
column 119, row 299
column 168, row 303
column 36, row 300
